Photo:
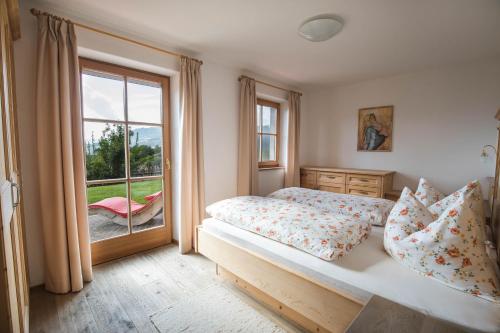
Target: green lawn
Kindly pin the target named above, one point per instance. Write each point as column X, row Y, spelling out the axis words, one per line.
column 139, row 191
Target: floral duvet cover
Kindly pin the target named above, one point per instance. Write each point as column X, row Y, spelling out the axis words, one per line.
column 312, row 230
column 372, row 210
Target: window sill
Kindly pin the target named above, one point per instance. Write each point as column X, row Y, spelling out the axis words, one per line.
column 271, row 168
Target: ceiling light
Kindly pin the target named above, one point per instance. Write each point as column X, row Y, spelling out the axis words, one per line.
column 320, row 28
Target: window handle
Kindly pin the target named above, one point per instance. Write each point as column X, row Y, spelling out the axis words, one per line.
column 17, row 197
column 167, row 163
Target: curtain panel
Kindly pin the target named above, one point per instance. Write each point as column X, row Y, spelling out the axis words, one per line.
column 60, row 158
column 292, row 174
column 247, row 183
column 192, row 192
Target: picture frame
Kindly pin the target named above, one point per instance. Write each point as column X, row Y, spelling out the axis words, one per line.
column 375, row 127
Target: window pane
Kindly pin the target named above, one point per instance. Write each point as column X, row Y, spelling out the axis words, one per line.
column 105, row 150
column 258, row 148
column 145, row 144
column 108, row 210
column 103, row 96
column 269, row 115
column 144, row 102
column 268, row 148
column 259, row 115
column 147, row 204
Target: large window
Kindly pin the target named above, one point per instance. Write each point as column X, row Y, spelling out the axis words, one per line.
column 268, row 115
column 125, row 114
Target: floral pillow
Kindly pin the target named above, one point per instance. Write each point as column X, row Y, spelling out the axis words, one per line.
column 418, row 216
column 476, row 196
column 448, row 248
column 427, row 194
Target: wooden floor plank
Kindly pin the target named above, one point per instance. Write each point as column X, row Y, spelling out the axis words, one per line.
column 130, row 297
column 107, row 311
column 43, row 312
column 125, row 294
column 180, row 271
column 74, row 313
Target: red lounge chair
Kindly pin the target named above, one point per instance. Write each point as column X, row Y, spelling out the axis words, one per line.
column 116, row 209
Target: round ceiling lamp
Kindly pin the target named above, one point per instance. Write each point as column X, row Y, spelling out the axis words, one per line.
column 320, row 28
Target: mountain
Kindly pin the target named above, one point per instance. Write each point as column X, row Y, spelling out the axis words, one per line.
column 149, row 136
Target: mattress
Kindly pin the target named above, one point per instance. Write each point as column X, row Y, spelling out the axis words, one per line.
column 368, row 270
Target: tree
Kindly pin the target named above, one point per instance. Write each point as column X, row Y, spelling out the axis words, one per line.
column 106, row 159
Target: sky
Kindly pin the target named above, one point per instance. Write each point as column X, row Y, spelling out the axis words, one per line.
column 103, row 98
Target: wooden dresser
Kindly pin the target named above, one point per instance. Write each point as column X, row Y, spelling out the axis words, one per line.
column 372, row 183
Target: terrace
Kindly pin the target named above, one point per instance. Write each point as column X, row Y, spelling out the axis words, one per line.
column 102, row 226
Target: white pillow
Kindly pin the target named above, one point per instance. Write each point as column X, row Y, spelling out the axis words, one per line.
column 427, row 194
column 448, row 248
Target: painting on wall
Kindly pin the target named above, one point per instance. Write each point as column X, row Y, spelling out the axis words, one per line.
column 375, row 128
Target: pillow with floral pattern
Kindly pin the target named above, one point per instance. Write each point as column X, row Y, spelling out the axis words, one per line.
column 427, row 194
column 476, row 196
column 414, row 216
column 449, row 248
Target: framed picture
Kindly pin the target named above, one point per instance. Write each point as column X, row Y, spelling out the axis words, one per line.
column 375, row 129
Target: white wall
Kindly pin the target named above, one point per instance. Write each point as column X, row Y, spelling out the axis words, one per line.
column 220, row 131
column 220, row 91
column 442, row 118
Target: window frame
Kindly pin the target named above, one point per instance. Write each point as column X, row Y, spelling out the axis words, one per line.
column 134, row 240
column 276, row 162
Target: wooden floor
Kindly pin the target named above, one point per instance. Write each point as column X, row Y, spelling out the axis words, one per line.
column 125, row 293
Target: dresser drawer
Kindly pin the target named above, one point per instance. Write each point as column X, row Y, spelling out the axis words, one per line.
column 336, row 188
column 364, row 180
column 363, row 190
column 308, row 185
column 330, row 178
column 307, row 177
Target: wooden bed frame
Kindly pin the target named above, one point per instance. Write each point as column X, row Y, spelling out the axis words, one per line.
column 309, row 303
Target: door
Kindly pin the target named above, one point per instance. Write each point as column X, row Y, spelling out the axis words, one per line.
column 14, row 279
column 127, row 157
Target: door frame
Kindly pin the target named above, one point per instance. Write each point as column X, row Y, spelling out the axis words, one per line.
column 14, row 277
column 131, row 243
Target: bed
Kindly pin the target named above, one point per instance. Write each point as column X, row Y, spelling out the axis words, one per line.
column 325, row 296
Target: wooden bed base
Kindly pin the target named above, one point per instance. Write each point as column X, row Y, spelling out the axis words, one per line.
column 314, row 307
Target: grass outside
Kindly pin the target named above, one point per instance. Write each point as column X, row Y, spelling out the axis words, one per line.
column 139, row 191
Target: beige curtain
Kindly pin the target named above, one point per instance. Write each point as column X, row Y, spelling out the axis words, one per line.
column 192, row 173
column 292, row 175
column 247, row 143
column 60, row 158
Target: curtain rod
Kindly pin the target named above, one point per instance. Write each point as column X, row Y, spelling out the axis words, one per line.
column 269, row 84
column 37, row 12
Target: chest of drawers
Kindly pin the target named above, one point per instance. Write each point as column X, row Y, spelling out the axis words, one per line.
column 371, row 183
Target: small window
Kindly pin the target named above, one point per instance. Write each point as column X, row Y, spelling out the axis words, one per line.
column 268, row 115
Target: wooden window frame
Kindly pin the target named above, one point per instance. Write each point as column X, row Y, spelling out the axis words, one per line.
column 276, row 162
column 134, row 241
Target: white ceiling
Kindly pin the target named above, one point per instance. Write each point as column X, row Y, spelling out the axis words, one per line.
column 380, row 37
